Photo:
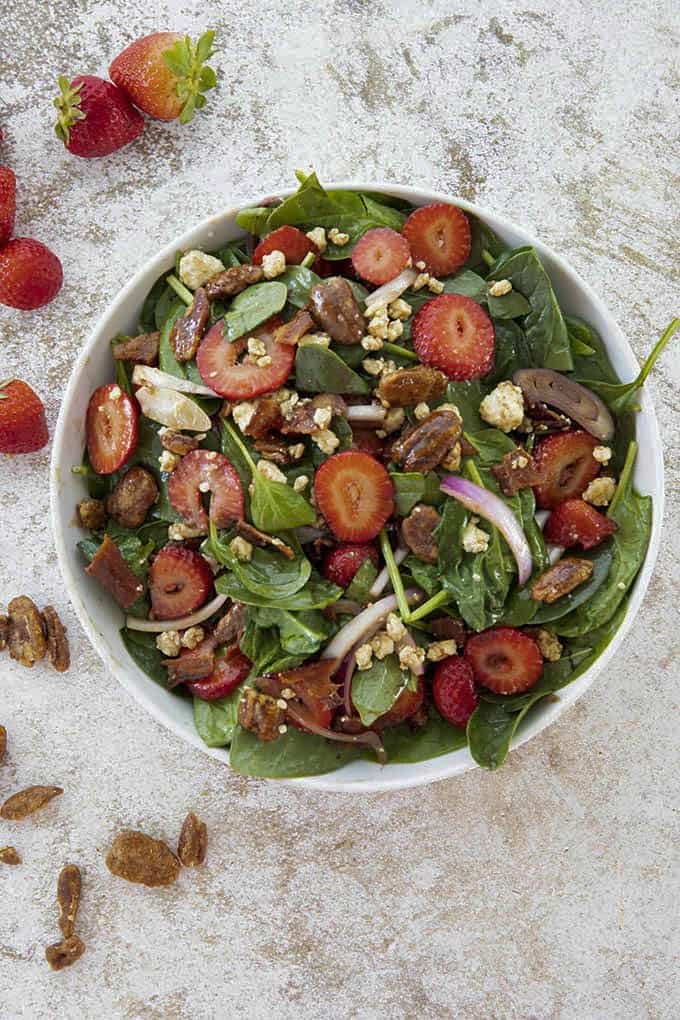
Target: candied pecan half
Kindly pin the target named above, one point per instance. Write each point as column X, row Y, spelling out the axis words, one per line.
column 273, row 449
column 267, row 416
column 260, row 714
column 3, row 743
column 110, row 569
column 424, row 446
column 261, row 539
column 335, row 309
column 26, row 637
column 229, row 282
column 63, row 954
column 192, row 665
column 517, row 470
column 445, row 628
column 69, row 885
column 137, row 857
column 8, row 855
column 177, row 442
column 303, row 423
column 91, row 514
column 132, row 498
column 57, row 642
column 293, row 331
column 193, row 841
column 561, row 578
column 230, row 627
column 188, row 330
column 4, row 632
column 418, row 532
column 142, row 349
column 25, row 802
column 409, row 386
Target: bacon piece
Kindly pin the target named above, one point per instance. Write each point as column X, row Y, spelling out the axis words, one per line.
column 293, row 331
column 517, row 470
column 273, row 449
column 110, row 569
column 561, row 578
column 418, row 532
column 230, row 627
column 188, row 330
column 260, row 714
column 191, row 665
column 142, row 349
column 261, row 539
column 229, row 282
column 267, row 416
column 445, row 628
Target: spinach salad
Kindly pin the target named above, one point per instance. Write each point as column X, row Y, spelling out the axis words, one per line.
column 361, row 487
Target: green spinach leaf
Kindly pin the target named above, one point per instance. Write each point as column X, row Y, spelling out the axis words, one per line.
column 295, row 754
column 360, row 586
column 316, row 594
column 375, row 690
column 320, row 370
column 141, row 647
column 216, row 720
column 413, row 487
column 301, row 633
column 253, row 306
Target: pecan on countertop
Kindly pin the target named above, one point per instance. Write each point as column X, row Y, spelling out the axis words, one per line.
column 57, row 642
column 25, row 637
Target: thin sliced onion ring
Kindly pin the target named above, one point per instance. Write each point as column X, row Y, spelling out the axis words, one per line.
column 366, row 414
column 393, row 289
column 182, row 623
column 145, row 375
column 369, row 739
column 494, row 510
column 352, row 633
column 400, row 554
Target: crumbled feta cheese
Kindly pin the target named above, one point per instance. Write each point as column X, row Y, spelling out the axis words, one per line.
column 241, row 549
column 373, row 366
column 600, row 492
column 271, row 471
column 314, row 340
column 421, row 410
column 474, row 539
column 549, row 645
column 373, row 310
column 394, row 330
column 439, row 650
column 196, row 268
column 283, row 729
column 420, row 281
column 382, row 645
column 265, row 361
column 379, row 324
column 451, row 461
column 322, row 417
column 243, row 414
column 420, row 265
column 256, row 347
column 326, row 440
column 288, row 693
column 296, row 451
column 192, row 637
column 602, row 454
column 180, row 532
column 169, row 643
column 434, row 285
column 411, row 658
column 400, row 309
column 503, row 407
column 288, row 404
column 115, row 393
column 388, row 368
column 301, row 483
column 273, row 264
column 371, row 343
column 168, row 461
column 318, row 237
column 394, row 419
column 338, row 237
column 499, row 288
column 394, row 627
column 363, row 656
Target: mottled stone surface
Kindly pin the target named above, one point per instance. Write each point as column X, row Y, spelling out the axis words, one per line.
column 543, row 891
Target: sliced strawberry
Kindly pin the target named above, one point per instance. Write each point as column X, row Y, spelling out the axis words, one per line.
column 201, row 472
column 333, row 267
column 111, row 428
column 23, row 428
column 380, row 255
column 453, row 690
column 8, row 203
column 341, row 563
column 406, row 705
column 454, row 334
column 566, row 465
column 354, row 493
column 439, row 236
column 289, row 240
column 575, row 522
column 504, row 660
column 231, row 669
column 218, row 364
column 180, row 581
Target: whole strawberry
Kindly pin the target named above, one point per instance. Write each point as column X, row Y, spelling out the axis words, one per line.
column 30, row 274
column 163, row 74
column 23, row 428
column 94, row 117
column 8, row 203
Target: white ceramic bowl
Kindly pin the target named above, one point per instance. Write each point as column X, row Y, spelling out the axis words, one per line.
column 102, row 620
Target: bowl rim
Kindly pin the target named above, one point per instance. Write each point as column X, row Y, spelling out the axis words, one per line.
column 432, row 769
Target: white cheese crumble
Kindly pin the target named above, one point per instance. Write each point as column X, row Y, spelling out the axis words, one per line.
column 168, row 461
column 439, row 650
column 500, row 288
column 196, row 268
column 338, row 237
column 602, row 454
column 318, row 237
column 271, row 471
column 169, row 643
column 600, row 492
column 192, row 637
column 241, row 549
column 503, row 407
column 474, row 539
column 273, row 264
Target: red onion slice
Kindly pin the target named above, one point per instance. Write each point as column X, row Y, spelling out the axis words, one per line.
column 393, row 289
column 145, row 375
column 353, row 632
column 368, row 739
column 182, row 623
column 400, row 554
column 494, row 510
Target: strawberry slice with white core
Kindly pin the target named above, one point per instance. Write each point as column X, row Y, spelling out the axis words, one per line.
column 180, row 581
column 354, row 493
column 454, row 334
column 439, row 236
column 566, row 465
column 111, row 428
column 380, row 255
column 504, row 660
column 220, row 369
column 201, row 472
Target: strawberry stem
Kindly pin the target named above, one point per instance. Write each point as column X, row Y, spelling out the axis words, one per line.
column 395, row 576
column 401, row 352
column 186, row 60
column 488, row 257
column 180, row 290
column 67, row 104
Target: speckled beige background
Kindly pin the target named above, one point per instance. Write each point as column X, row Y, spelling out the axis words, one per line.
column 543, row 892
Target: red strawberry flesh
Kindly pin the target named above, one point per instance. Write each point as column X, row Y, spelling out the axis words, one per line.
column 454, row 334
column 453, row 690
column 95, row 118
column 203, row 472
column 380, row 255
column 504, row 660
column 355, row 494
column 406, row 705
column 439, row 236
column 231, row 669
column 180, row 581
column 292, row 242
column 111, row 428
column 576, row 522
column 341, row 564
column 566, row 464
column 219, row 366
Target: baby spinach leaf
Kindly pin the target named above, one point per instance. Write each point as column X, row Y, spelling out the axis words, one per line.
column 544, row 326
column 261, row 645
column 300, row 634
column 253, row 306
column 147, row 318
column 510, row 354
column 405, row 745
column 316, row 594
column 413, row 487
column 167, row 362
column 275, row 506
column 294, row 754
column 360, row 586
column 268, row 573
column 142, row 649
column 233, row 254
column 216, row 720
column 299, row 280
column 595, row 364
column 375, row 690
column 483, row 239
column 254, row 219
column 510, row 306
column 467, row 396
column 320, row 370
